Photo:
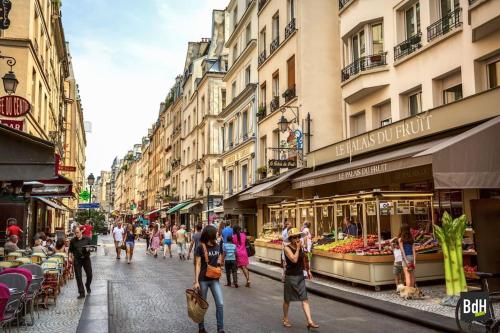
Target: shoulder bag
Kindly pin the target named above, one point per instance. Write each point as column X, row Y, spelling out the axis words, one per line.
column 213, row 272
column 250, row 248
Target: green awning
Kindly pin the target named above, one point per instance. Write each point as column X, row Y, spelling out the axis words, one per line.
column 177, row 207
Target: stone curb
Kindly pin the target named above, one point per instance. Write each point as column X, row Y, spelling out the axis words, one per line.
column 423, row 318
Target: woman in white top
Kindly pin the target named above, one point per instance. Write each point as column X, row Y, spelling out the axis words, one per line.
column 167, row 242
column 307, row 239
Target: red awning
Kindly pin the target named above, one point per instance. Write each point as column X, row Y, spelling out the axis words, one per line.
column 59, row 186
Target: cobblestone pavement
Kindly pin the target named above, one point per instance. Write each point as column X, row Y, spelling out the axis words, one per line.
column 148, row 296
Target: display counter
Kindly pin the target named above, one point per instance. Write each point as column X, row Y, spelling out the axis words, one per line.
column 267, row 251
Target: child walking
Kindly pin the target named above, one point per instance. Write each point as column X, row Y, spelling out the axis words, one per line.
column 397, row 269
column 230, row 261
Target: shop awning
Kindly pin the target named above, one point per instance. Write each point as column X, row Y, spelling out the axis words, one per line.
column 468, row 160
column 59, row 186
column 266, row 189
column 24, row 157
column 381, row 163
column 178, row 207
column 51, row 203
column 152, row 212
column 185, row 209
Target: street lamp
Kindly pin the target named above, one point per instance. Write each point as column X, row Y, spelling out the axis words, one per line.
column 208, row 185
column 90, row 181
column 10, row 81
column 283, row 124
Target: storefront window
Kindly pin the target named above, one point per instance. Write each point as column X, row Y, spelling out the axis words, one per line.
column 450, row 201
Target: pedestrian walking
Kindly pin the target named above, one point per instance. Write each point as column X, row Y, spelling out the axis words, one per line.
column 155, row 240
column 284, row 237
column 209, row 254
column 87, row 229
column 167, row 242
column 240, row 240
column 129, row 240
column 295, row 284
column 79, row 249
column 226, row 231
column 229, row 257
column 118, row 232
column 180, row 239
column 407, row 246
column 195, row 240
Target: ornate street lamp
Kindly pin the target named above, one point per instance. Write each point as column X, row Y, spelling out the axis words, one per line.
column 283, row 124
column 90, row 181
column 208, row 185
column 10, row 81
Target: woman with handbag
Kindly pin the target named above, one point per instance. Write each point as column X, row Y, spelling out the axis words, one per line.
column 240, row 240
column 407, row 246
column 295, row 284
column 129, row 242
column 207, row 271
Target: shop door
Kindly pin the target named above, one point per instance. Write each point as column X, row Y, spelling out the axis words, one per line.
column 486, row 224
column 15, row 210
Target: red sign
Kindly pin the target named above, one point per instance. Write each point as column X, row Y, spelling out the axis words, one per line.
column 67, row 168
column 15, row 124
column 14, row 106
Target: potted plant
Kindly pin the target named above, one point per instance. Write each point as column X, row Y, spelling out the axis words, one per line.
column 261, row 112
column 200, row 192
column 262, row 171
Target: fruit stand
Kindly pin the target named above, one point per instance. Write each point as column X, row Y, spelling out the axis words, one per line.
column 367, row 259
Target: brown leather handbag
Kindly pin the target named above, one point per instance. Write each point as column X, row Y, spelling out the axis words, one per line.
column 213, row 272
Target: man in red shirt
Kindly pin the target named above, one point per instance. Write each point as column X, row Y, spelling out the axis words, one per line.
column 13, row 229
column 87, row 229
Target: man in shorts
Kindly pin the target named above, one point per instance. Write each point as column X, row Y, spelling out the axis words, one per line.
column 118, row 232
column 180, row 237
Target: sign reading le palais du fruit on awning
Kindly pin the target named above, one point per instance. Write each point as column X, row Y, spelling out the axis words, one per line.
column 14, row 106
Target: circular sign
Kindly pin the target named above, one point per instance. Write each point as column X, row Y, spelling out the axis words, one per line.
column 12, row 106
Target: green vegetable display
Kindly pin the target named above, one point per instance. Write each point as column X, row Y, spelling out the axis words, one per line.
column 450, row 237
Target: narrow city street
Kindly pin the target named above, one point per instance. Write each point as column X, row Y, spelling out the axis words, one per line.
column 148, row 296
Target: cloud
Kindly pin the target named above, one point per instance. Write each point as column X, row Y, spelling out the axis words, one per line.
column 125, row 60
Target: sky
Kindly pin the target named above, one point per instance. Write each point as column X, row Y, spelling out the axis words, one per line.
column 126, row 55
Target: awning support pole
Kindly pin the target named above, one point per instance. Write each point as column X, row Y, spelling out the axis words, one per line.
column 378, row 225
column 365, row 239
column 335, row 221
column 315, row 221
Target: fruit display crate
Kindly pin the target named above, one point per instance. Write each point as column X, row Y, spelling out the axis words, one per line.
column 267, row 251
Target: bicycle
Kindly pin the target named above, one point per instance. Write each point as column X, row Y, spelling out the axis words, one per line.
column 491, row 325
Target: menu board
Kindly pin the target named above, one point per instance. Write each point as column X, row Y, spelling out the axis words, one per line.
column 325, row 211
column 353, row 209
column 403, row 208
column 371, row 209
column 387, row 208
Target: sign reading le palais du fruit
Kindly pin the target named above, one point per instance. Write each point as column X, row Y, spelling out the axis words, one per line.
column 14, row 106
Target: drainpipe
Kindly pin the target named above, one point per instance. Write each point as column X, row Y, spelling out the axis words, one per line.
column 256, row 131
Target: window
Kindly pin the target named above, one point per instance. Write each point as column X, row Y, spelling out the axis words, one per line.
column 377, row 38
column 230, row 182
column 203, row 106
column 235, row 17
column 262, row 39
column 291, row 9
column 263, row 98
column 263, row 151
column 276, row 84
column 291, row 72
column 452, row 94
column 248, row 33
column 223, row 97
column 244, row 124
column 494, row 74
column 233, row 89
column 235, row 52
column 230, row 134
column 244, row 176
column 383, row 114
column 358, row 124
column 358, row 45
column 412, row 20
column 276, row 26
column 415, row 103
column 247, row 75
column 448, row 6
column 189, row 124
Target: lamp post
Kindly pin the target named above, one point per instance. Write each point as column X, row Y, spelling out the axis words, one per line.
column 90, row 181
column 208, row 185
column 10, row 81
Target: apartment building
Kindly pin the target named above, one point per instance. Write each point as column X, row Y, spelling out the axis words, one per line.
column 175, row 138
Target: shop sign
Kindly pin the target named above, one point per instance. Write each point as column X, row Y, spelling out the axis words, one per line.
column 14, row 106
column 93, row 205
column 325, row 211
column 84, row 195
column 237, row 156
column 15, row 124
column 403, row 208
column 363, row 172
column 386, row 208
column 339, row 212
column 420, row 210
column 283, row 163
column 67, row 168
column 371, row 209
column 5, row 7
column 353, row 209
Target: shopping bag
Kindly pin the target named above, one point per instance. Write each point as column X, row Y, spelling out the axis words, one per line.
column 196, row 305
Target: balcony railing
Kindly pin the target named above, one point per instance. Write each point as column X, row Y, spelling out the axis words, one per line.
column 262, row 57
column 289, row 94
column 408, row 46
column 275, row 103
column 363, row 64
column 342, row 3
column 290, row 28
column 447, row 23
column 274, row 45
column 262, row 3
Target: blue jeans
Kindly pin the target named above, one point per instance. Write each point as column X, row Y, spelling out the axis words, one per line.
column 214, row 286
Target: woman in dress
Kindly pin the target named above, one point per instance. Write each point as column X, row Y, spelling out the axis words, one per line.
column 240, row 240
column 295, row 283
column 155, row 240
column 129, row 240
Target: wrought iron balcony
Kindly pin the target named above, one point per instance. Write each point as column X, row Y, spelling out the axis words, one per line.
column 290, row 28
column 262, row 57
column 446, row 24
column 275, row 103
column 408, row 46
column 262, row 3
column 342, row 3
column 274, row 45
column 363, row 64
column 289, row 94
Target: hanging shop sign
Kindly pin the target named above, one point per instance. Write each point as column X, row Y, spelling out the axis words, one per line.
column 282, row 163
column 311, row 211
column 5, row 7
column 15, row 124
column 292, row 213
column 353, row 209
column 403, row 208
column 84, row 195
column 12, row 106
column 386, row 208
column 339, row 212
column 67, row 168
column 371, row 209
column 325, row 211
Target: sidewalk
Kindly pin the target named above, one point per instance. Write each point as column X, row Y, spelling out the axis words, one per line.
column 426, row 312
